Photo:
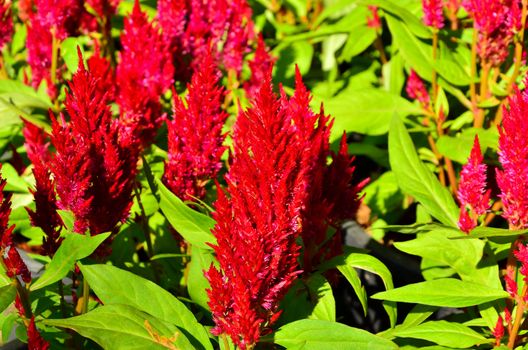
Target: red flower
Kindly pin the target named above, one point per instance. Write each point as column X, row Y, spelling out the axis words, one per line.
column 416, row 90
column 45, row 214
column 6, row 23
column 433, row 13
column 35, row 340
column 472, row 192
column 260, row 66
column 95, row 162
column 522, row 256
column 513, row 155
column 195, row 134
column 259, row 222
column 498, row 332
column 143, row 75
column 374, row 21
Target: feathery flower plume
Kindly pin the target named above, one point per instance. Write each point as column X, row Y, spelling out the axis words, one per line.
column 45, row 214
column 258, row 222
column 472, row 195
column 521, row 253
column 144, row 73
column 94, row 166
column 496, row 22
column 498, row 331
column 195, row 134
column 433, row 13
column 6, row 23
column 416, row 90
column 373, row 21
column 260, row 65
column 513, row 155
column 14, row 264
column 35, row 340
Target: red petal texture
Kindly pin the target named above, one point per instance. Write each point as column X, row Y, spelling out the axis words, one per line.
column 195, row 134
column 260, row 66
column 373, row 21
column 433, row 13
column 513, row 155
column 6, row 23
column 416, row 90
column 35, row 340
column 94, row 166
column 144, row 73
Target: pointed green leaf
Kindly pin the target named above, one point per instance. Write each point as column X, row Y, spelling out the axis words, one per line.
column 146, row 296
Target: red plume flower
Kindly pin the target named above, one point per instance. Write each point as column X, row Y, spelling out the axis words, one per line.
column 258, row 222
column 472, row 194
column 260, row 66
column 498, row 331
column 433, row 13
column 35, row 340
column 143, row 75
column 521, row 253
column 195, row 134
column 94, row 166
column 513, row 155
column 6, row 23
column 45, row 214
column 374, row 20
column 416, row 90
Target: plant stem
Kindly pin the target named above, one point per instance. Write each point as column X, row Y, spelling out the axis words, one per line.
column 521, row 305
column 378, row 44
column 435, row 53
column 62, row 302
column 144, row 222
column 479, row 117
column 23, row 295
column 86, row 296
column 225, row 341
column 518, row 49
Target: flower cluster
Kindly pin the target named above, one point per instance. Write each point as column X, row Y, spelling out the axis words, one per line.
column 195, row 27
column 195, row 134
column 496, row 23
column 260, row 66
column 94, row 166
column 416, row 90
column 374, row 20
column 433, row 13
column 6, row 23
column 144, row 73
column 472, row 195
column 513, row 155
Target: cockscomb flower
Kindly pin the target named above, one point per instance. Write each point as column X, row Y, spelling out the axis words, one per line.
column 13, row 263
column 513, row 155
column 521, row 253
column 258, row 221
column 60, row 17
column 94, row 166
column 373, row 21
column 144, row 73
column 45, row 214
column 39, row 52
column 35, row 340
column 498, row 331
column 433, row 13
column 6, row 23
column 101, row 68
column 416, row 90
column 195, row 134
column 472, row 195
column 172, row 17
column 260, row 66
column 496, row 23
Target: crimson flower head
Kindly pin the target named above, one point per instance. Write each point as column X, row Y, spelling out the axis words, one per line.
column 144, row 73
column 260, row 66
column 35, row 340
column 498, row 331
column 433, row 13
column 258, row 220
column 6, row 23
column 416, row 90
column 472, row 193
column 496, row 22
column 94, row 166
column 45, row 214
column 195, row 134
column 374, row 20
column 513, row 155
column 521, row 253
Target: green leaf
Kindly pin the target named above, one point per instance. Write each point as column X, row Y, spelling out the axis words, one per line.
column 363, row 261
column 443, row 333
column 197, row 284
column 416, row 316
column 446, row 292
column 68, row 51
column 365, row 111
column 415, row 179
column 124, row 327
column 7, row 295
column 489, row 232
column 458, row 148
column 74, row 247
column 320, row 334
column 321, row 291
column 353, row 278
column 436, row 245
column 195, row 227
column 359, row 39
column 68, row 219
column 146, row 296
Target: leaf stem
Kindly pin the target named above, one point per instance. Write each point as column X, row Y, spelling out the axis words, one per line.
column 521, row 306
column 435, row 53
